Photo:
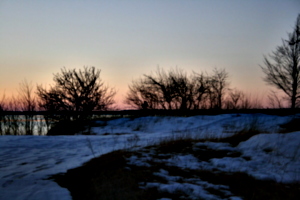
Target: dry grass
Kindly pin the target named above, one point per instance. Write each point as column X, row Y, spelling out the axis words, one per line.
column 110, row 176
column 247, row 130
column 101, row 178
column 291, row 126
column 239, row 136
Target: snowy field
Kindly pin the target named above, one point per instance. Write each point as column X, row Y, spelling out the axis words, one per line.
column 26, row 162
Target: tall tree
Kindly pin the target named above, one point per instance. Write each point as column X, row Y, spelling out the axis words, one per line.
column 282, row 69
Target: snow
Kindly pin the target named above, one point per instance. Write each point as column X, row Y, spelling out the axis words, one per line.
column 195, row 191
column 26, row 162
column 184, row 161
column 195, row 188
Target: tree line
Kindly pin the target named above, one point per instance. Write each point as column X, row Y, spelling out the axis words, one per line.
column 175, row 89
column 84, row 90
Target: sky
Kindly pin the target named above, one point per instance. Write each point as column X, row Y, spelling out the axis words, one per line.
column 129, row 38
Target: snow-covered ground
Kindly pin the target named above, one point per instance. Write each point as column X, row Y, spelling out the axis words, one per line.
column 26, row 162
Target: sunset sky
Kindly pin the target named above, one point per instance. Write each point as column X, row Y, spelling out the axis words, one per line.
column 129, row 38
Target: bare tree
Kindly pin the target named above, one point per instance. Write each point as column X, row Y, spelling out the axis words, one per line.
column 274, row 100
column 182, row 89
column 81, row 90
column 282, row 69
column 218, row 85
column 235, row 99
column 26, row 95
column 158, row 86
column 176, row 90
column 140, row 94
column 202, row 90
column 28, row 103
column 9, row 124
column 155, row 89
column 2, row 103
column 247, row 101
column 162, row 90
column 12, row 122
column 2, row 117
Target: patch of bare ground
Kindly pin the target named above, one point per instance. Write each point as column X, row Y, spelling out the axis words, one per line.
column 111, row 176
column 291, row 126
column 238, row 137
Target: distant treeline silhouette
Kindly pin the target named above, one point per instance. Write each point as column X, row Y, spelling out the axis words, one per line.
column 82, row 91
column 175, row 89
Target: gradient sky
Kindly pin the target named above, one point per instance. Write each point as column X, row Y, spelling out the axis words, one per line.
column 129, row 38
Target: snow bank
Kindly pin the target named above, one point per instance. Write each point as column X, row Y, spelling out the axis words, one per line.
column 27, row 161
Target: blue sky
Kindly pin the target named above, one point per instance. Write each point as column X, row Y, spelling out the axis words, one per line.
column 129, row 38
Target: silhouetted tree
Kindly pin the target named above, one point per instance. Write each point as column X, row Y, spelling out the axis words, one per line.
column 27, row 103
column 81, row 90
column 12, row 124
column 218, row 83
column 182, row 89
column 161, row 90
column 282, row 70
column 145, row 105
column 201, row 92
column 140, row 92
column 235, row 99
column 155, row 89
column 2, row 103
column 176, row 90
column 2, row 117
column 274, row 100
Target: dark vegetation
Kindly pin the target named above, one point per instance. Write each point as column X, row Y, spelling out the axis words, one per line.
column 282, row 69
column 75, row 94
column 14, row 122
column 110, row 176
column 176, row 90
column 80, row 92
column 243, row 133
column 291, row 126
